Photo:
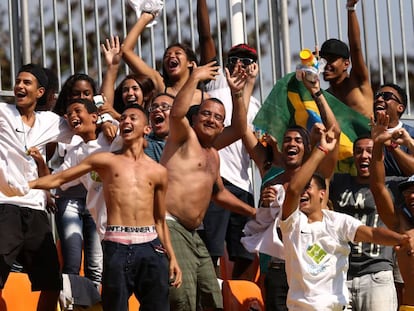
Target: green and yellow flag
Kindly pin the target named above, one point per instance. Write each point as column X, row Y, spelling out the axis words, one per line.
column 289, row 103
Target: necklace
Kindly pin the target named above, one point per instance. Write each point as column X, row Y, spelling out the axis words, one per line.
column 23, row 131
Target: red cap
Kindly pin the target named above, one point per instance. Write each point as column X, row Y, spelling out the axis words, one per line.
column 243, row 49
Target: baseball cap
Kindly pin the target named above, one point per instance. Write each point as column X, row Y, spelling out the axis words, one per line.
column 334, row 47
column 38, row 72
column 404, row 185
column 243, row 49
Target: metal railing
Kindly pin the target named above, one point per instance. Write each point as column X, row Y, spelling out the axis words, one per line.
column 66, row 35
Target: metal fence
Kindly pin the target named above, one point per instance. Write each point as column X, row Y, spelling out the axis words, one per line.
column 65, row 35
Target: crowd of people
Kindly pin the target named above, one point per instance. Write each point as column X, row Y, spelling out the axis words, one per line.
column 150, row 180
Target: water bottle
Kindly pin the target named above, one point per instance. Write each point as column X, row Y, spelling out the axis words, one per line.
column 310, row 65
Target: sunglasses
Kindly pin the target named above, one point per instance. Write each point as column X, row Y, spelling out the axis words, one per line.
column 162, row 107
column 244, row 60
column 386, row 96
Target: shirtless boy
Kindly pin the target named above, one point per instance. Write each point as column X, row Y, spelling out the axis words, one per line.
column 137, row 239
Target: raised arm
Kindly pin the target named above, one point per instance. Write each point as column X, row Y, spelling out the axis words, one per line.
column 262, row 156
column 111, row 50
column 205, row 39
column 382, row 197
column 180, row 127
column 304, row 174
column 329, row 121
column 257, row 151
column 133, row 60
column 359, row 71
column 239, row 96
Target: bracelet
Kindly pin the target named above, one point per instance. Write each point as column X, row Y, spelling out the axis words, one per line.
column 317, row 94
column 239, row 94
column 392, row 146
column 323, row 149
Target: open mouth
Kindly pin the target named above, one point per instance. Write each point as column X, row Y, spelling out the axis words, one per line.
column 304, row 199
column 75, row 123
column 380, row 107
column 126, row 130
column 20, row 94
column 292, row 152
column 158, row 119
column 131, row 101
column 173, row 63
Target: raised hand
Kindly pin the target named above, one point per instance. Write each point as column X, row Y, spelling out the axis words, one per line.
column 112, row 51
column 402, row 137
column 350, row 3
column 208, row 71
column 328, row 140
column 316, row 133
column 379, row 127
column 237, row 80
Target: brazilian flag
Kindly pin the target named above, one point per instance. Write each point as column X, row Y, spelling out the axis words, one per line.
column 290, row 103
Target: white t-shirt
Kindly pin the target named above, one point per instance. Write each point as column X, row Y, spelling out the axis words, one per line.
column 261, row 232
column 317, row 260
column 16, row 137
column 234, row 159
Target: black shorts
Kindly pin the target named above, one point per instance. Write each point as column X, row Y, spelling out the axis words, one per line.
column 26, row 236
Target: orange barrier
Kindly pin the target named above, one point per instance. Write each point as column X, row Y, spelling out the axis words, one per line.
column 133, row 303
column 17, row 294
column 241, row 295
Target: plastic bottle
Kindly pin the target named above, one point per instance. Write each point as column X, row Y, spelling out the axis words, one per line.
column 307, row 58
column 310, row 65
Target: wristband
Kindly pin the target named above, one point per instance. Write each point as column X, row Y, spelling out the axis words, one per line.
column 351, row 8
column 317, row 94
column 104, row 118
column 323, row 149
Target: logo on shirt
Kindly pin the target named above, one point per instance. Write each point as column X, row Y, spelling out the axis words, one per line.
column 316, row 253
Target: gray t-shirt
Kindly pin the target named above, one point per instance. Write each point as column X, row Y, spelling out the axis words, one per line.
column 355, row 199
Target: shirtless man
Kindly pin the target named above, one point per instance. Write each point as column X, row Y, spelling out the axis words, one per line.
column 353, row 89
column 398, row 218
column 137, row 237
column 192, row 160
